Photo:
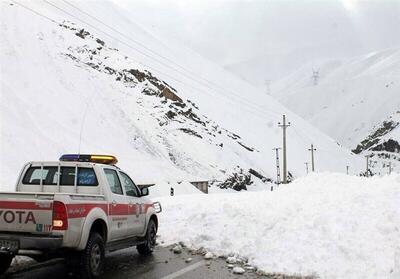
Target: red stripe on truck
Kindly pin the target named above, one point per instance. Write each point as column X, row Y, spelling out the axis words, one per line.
column 79, row 210
column 83, row 209
column 118, row 209
column 25, row 205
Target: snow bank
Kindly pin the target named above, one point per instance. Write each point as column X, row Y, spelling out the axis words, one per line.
column 161, row 189
column 329, row 225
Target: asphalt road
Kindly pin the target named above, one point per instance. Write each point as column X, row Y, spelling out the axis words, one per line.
column 127, row 263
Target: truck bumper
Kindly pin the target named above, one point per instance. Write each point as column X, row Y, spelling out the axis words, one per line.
column 28, row 244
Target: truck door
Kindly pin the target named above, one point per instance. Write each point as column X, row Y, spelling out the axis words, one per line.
column 118, row 207
column 137, row 214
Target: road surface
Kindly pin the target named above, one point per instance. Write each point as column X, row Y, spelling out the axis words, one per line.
column 127, row 263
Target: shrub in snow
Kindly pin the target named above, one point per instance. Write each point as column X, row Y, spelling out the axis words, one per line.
column 237, row 180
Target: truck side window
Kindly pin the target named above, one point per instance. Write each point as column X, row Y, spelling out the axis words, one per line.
column 34, row 174
column 67, row 176
column 87, row 177
column 113, row 181
column 130, row 187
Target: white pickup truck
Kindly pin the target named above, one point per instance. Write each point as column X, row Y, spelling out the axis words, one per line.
column 77, row 208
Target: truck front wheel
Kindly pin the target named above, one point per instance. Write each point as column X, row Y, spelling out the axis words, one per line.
column 5, row 262
column 150, row 240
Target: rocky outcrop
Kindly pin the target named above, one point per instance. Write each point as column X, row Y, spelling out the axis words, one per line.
column 374, row 140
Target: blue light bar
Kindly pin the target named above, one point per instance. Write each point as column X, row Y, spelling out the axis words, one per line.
column 99, row 159
column 70, row 157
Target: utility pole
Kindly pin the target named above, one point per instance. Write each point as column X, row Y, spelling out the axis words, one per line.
column 284, row 126
column 306, row 163
column 367, row 171
column 278, row 170
column 390, row 168
column 347, row 170
column 312, row 149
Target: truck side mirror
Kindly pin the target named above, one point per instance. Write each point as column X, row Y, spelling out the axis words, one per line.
column 145, row 191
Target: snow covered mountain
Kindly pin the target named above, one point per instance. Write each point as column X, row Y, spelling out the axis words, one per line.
column 355, row 101
column 83, row 77
column 358, row 93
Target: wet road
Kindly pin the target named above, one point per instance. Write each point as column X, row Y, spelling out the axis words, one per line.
column 127, row 263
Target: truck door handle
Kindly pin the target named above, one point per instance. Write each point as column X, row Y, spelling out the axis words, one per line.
column 114, row 203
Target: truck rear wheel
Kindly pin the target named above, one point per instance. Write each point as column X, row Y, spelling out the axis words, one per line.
column 5, row 262
column 89, row 263
column 150, row 239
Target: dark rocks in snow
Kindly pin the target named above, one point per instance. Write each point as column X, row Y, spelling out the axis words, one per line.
column 237, row 181
column 191, row 115
column 168, row 94
column 66, row 26
column 389, row 146
column 190, row 132
column 100, row 42
column 82, row 33
column 149, row 92
column 179, row 104
column 374, row 138
column 246, row 147
column 260, row 176
column 110, row 71
column 165, row 90
column 233, row 136
column 93, row 65
column 193, row 104
column 170, row 114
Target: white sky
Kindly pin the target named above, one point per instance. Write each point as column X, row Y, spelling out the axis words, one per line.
column 230, row 31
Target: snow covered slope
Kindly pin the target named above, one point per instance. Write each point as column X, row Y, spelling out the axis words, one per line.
column 82, row 76
column 351, row 97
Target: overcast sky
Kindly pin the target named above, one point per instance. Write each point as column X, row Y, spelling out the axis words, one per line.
column 230, row 31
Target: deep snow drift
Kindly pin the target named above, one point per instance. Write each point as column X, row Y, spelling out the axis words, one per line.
column 328, row 225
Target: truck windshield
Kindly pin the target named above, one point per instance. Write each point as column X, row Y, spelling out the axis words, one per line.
column 49, row 176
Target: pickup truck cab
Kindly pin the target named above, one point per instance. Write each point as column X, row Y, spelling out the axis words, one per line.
column 77, row 208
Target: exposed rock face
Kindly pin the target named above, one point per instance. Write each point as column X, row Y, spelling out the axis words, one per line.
column 389, row 146
column 383, row 147
column 373, row 141
column 167, row 93
column 153, row 95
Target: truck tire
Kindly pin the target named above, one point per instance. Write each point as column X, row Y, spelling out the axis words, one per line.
column 5, row 262
column 91, row 259
column 150, row 240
